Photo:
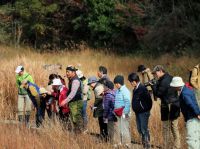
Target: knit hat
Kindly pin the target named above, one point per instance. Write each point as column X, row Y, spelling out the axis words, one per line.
column 92, row 79
column 109, row 85
column 119, row 79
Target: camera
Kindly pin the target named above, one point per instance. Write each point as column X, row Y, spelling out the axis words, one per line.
column 151, row 82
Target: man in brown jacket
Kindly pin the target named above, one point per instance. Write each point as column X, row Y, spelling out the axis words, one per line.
column 195, row 81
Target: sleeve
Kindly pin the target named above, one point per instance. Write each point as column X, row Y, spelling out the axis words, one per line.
column 194, row 78
column 17, row 82
column 98, row 97
column 192, row 104
column 75, row 86
column 106, row 108
column 85, row 92
column 30, row 79
column 127, row 102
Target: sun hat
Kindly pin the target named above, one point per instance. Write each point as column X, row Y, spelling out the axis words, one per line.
column 57, row 82
column 177, row 82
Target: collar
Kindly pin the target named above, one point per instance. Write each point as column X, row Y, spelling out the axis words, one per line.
column 137, row 86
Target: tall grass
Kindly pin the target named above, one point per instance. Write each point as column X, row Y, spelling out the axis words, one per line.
column 88, row 61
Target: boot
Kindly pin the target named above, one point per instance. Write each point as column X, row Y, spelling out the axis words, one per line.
column 27, row 118
column 20, row 118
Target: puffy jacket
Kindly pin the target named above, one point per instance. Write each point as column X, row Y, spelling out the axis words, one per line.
column 108, row 105
column 188, row 102
column 19, row 79
column 170, row 104
column 141, row 101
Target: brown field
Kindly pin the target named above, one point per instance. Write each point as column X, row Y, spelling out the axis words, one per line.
column 53, row 136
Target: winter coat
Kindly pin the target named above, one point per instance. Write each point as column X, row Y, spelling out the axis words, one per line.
column 141, row 101
column 122, row 99
column 188, row 103
column 170, row 105
column 108, row 105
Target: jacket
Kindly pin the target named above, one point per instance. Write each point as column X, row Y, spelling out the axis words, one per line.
column 63, row 96
column 188, row 102
column 108, row 105
column 19, row 79
column 170, row 105
column 141, row 101
column 195, row 77
column 98, row 103
column 122, row 99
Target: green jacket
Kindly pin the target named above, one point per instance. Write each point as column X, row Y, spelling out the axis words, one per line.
column 19, row 80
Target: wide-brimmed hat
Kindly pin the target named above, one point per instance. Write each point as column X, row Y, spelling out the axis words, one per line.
column 92, row 79
column 43, row 90
column 177, row 82
column 57, row 82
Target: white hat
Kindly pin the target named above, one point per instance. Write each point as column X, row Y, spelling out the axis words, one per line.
column 19, row 69
column 57, row 82
column 177, row 82
column 79, row 73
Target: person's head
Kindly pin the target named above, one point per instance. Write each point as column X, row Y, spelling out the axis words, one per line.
column 177, row 83
column 92, row 81
column 108, row 86
column 19, row 70
column 102, row 71
column 56, row 84
column 118, row 81
column 51, row 77
column 141, row 68
column 134, row 79
column 70, row 71
column 158, row 71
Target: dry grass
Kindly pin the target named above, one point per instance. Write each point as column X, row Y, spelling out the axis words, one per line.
column 12, row 136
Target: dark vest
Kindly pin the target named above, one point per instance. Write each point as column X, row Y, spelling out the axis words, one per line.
column 78, row 95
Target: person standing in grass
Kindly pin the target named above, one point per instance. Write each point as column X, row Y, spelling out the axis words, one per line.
column 98, row 105
column 74, row 99
column 141, row 105
column 190, row 110
column 108, row 108
column 102, row 74
column 122, row 111
column 195, row 82
column 24, row 102
column 86, row 95
column 170, row 106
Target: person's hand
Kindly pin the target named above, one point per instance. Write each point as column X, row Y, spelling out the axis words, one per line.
column 63, row 103
column 198, row 117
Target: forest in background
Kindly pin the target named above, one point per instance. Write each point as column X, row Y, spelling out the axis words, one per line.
column 124, row 26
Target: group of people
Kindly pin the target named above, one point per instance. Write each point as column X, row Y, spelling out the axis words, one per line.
column 112, row 103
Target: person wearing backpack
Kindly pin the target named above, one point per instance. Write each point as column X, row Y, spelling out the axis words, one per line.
column 24, row 102
column 195, row 82
column 34, row 94
column 190, row 110
column 86, row 95
column 141, row 105
column 102, row 74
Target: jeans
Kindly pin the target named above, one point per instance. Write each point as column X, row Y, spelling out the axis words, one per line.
column 142, row 120
column 168, row 127
column 193, row 133
column 39, row 116
column 84, row 114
